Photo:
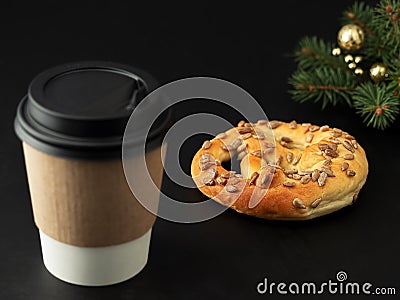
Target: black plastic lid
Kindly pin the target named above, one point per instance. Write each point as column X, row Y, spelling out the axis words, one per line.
column 81, row 109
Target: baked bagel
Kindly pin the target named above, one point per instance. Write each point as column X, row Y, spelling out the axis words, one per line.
column 288, row 170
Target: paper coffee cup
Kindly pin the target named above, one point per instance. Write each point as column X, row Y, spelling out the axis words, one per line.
column 93, row 230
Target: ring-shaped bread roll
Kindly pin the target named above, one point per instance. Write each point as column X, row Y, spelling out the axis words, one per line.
column 302, row 171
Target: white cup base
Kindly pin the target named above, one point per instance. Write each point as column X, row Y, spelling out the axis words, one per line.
column 95, row 266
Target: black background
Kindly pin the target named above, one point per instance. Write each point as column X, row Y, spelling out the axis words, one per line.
column 249, row 45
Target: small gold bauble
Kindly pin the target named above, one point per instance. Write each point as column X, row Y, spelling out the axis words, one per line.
column 350, row 37
column 357, row 59
column 378, row 72
column 336, row 51
column 352, row 65
column 358, row 71
column 348, row 58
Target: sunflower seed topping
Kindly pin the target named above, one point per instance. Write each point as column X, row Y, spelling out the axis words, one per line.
column 268, row 151
column 331, row 153
column 322, row 179
column 259, row 136
column 354, row 143
column 289, row 157
column 323, row 147
column 335, row 140
column 293, row 125
column 212, row 173
column 289, row 183
column 286, row 144
column 290, row 172
column 253, row 178
column 335, row 133
column 296, row 159
column 349, row 137
column 329, row 172
column 236, row 143
column 350, row 173
column 298, row 203
column 228, row 174
column 243, row 130
column 262, row 122
column 206, row 161
column 348, row 156
column 274, row 124
column 348, row 146
column 327, row 163
column 242, row 147
column 316, row 202
column 208, row 181
column 324, row 128
column 220, row 180
column 264, row 180
column 241, row 155
column 333, row 146
column 296, row 176
column 337, row 130
column 241, row 123
column 286, row 139
column 231, row 188
column 269, row 145
column 206, row 165
column 313, row 128
column 345, row 166
column 246, row 136
column 205, row 157
column 327, row 157
column 309, row 138
column 315, row 175
column 206, row 145
column 305, row 179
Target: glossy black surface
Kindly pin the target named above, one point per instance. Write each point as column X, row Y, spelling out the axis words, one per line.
column 226, row 257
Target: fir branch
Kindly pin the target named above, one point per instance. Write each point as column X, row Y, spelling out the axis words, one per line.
column 316, row 53
column 361, row 14
column 322, row 77
column 360, row 11
column 326, row 85
column 386, row 20
column 376, row 104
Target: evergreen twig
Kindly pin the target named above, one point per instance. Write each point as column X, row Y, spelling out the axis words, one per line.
column 327, row 85
column 327, row 79
column 378, row 106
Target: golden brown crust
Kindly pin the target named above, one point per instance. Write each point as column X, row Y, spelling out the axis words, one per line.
column 303, row 195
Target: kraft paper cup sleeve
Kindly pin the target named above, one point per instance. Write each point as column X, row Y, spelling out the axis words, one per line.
column 87, row 203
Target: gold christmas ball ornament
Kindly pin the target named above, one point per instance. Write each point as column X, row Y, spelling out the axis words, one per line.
column 359, row 71
column 348, row 58
column 352, row 65
column 358, row 59
column 378, row 72
column 351, row 37
column 336, row 51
